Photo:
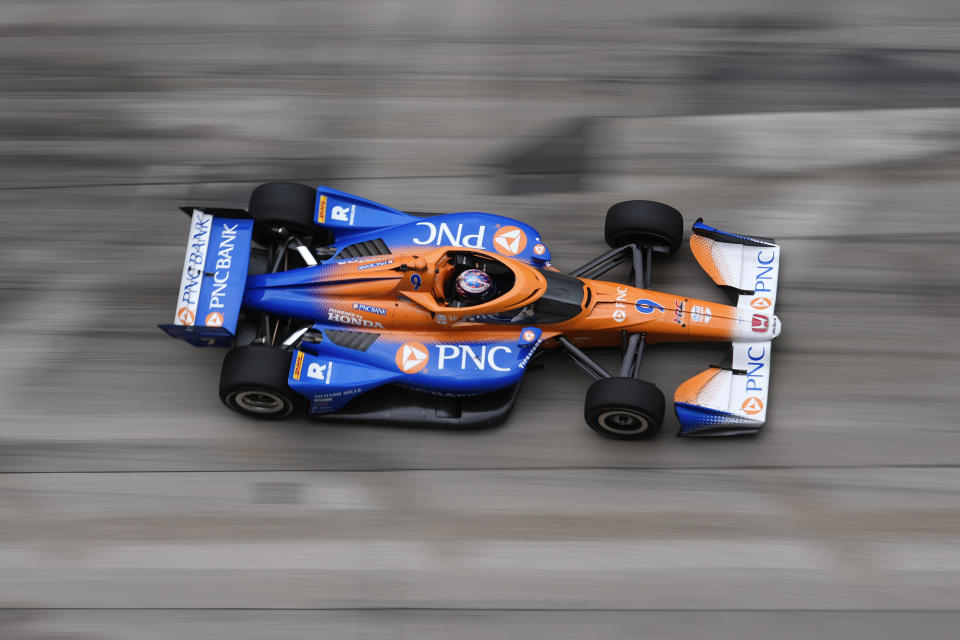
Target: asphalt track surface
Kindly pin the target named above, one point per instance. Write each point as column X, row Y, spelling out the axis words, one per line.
column 133, row 505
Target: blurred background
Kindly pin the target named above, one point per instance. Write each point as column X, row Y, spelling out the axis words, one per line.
column 133, row 505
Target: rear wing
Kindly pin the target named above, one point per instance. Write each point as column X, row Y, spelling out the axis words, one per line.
column 214, row 277
column 731, row 398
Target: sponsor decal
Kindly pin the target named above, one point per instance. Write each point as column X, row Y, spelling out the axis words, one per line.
column 412, row 357
column 760, row 303
column 214, row 319
column 320, row 372
column 755, row 367
column 359, row 306
column 764, row 276
column 523, row 363
column 529, row 336
column 760, row 323
column 416, row 281
column 752, row 406
column 298, row 366
column 678, row 310
column 193, row 264
column 221, row 274
column 322, row 210
column 539, row 249
column 509, row 240
column 468, row 358
column 349, row 317
column 619, row 314
column 700, row 314
column 343, row 214
column 185, row 316
column 644, row 305
column 380, row 263
column 443, row 234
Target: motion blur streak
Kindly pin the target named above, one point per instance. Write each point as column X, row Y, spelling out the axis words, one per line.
column 127, row 487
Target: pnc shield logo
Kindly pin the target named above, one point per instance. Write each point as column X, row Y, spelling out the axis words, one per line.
column 186, row 316
column 752, row 406
column 214, row 319
column 760, row 303
column 509, row 240
column 760, row 323
column 412, row 357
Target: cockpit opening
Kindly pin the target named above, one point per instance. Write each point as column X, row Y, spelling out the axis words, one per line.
column 466, row 279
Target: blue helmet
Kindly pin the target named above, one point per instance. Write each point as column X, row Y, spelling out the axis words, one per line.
column 474, row 285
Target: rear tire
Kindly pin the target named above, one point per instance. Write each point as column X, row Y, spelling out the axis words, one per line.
column 285, row 204
column 644, row 222
column 624, row 408
column 253, row 382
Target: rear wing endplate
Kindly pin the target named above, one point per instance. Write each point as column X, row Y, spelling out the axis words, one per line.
column 214, row 276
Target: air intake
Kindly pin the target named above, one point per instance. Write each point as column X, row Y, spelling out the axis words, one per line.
column 364, row 249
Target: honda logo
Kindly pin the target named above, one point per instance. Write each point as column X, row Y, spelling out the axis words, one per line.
column 760, row 323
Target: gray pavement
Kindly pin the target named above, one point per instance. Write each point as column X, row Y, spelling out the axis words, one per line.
column 133, row 505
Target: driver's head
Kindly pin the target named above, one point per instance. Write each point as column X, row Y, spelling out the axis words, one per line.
column 474, row 285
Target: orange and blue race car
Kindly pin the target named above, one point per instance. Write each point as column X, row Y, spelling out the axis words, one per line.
column 354, row 311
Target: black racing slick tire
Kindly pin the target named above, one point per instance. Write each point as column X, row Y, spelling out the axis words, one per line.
column 253, row 382
column 645, row 223
column 624, row 408
column 284, row 204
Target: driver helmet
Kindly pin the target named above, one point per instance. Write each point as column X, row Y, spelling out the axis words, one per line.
column 474, row 285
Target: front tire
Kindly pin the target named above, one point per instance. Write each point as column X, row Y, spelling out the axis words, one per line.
column 253, row 382
column 284, row 204
column 644, row 222
column 624, row 408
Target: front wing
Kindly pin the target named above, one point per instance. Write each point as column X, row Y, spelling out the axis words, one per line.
column 731, row 399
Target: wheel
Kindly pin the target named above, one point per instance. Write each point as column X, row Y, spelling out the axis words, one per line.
column 253, row 382
column 624, row 408
column 284, row 204
column 644, row 222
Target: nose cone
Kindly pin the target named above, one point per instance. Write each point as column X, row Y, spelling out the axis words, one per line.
column 775, row 329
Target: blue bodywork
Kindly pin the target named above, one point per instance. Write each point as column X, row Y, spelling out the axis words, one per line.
column 355, row 220
column 333, row 371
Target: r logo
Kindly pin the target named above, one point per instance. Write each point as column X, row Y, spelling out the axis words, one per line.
column 412, row 357
column 752, row 406
column 760, row 303
column 509, row 240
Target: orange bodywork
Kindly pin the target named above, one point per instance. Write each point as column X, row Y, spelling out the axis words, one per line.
column 411, row 291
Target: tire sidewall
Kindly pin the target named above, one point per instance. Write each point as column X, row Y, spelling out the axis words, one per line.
column 595, row 419
column 232, row 397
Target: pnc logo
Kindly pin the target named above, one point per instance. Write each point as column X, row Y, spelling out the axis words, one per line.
column 214, row 319
column 752, row 406
column 186, row 316
column 760, row 303
column 509, row 240
column 539, row 249
column 412, row 357
column 760, row 323
column 529, row 336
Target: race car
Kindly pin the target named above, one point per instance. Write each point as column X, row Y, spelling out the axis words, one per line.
column 356, row 312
